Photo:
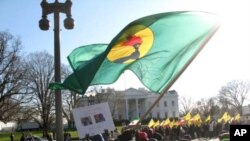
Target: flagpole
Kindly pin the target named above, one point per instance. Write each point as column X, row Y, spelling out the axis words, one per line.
column 175, row 78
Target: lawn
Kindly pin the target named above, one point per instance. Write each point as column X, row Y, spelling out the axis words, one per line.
column 5, row 136
column 17, row 135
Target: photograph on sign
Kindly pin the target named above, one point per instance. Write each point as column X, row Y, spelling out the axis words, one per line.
column 99, row 118
column 93, row 119
column 86, row 121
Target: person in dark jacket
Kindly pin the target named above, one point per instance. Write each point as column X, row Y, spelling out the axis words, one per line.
column 23, row 137
column 49, row 137
column 98, row 137
column 11, row 136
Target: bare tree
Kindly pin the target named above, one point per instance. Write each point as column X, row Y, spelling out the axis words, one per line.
column 116, row 103
column 70, row 99
column 41, row 73
column 234, row 94
column 25, row 114
column 102, row 95
column 12, row 70
column 208, row 107
column 96, row 94
column 186, row 104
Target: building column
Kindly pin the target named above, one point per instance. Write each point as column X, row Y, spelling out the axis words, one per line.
column 126, row 104
column 136, row 105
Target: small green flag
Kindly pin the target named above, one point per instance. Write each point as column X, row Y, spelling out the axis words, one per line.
column 156, row 48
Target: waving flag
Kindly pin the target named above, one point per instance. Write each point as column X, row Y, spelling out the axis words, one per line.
column 151, row 123
column 187, row 117
column 134, row 121
column 157, row 123
column 237, row 117
column 156, row 48
column 167, row 121
column 208, row 119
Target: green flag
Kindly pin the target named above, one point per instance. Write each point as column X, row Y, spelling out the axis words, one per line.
column 81, row 60
column 156, row 48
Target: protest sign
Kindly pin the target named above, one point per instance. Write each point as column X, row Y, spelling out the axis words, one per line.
column 93, row 119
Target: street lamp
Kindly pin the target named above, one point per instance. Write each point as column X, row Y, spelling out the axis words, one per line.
column 57, row 8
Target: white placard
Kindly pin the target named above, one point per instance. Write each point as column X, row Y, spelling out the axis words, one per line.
column 93, row 119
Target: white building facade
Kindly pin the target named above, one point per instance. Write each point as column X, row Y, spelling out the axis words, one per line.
column 134, row 103
column 245, row 117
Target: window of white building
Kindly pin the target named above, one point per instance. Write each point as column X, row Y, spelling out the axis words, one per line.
column 174, row 114
column 165, row 104
column 173, row 104
column 166, row 114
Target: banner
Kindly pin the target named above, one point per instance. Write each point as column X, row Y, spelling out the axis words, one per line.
column 93, row 119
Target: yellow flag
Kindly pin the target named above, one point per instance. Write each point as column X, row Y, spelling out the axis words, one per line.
column 197, row 119
column 208, row 119
column 237, row 117
column 187, row 117
column 219, row 120
column 224, row 116
column 228, row 118
column 167, row 122
column 162, row 123
column 157, row 123
column 151, row 123
column 173, row 124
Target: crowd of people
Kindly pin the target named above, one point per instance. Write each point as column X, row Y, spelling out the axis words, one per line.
column 178, row 132
column 174, row 130
column 29, row 137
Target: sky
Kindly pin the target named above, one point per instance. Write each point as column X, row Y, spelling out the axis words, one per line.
column 225, row 57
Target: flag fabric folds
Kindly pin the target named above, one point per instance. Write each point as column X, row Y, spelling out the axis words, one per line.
column 83, row 61
column 237, row 117
column 208, row 119
column 156, row 48
column 157, row 123
column 151, row 123
column 187, row 117
column 134, row 121
column 167, row 121
column 225, row 118
column 197, row 119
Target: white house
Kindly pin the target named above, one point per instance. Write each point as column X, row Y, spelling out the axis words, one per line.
column 245, row 118
column 133, row 103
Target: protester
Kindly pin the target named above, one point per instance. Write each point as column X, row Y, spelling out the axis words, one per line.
column 142, row 136
column 23, row 137
column 97, row 137
column 11, row 136
column 88, row 138
column 211, row 129
column 49, row 137
column 67, row 137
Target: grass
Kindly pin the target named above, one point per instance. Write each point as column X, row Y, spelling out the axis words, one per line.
column 5, row 136
column 17, row 135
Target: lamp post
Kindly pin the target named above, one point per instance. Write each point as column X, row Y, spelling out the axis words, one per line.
column 56, row 8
